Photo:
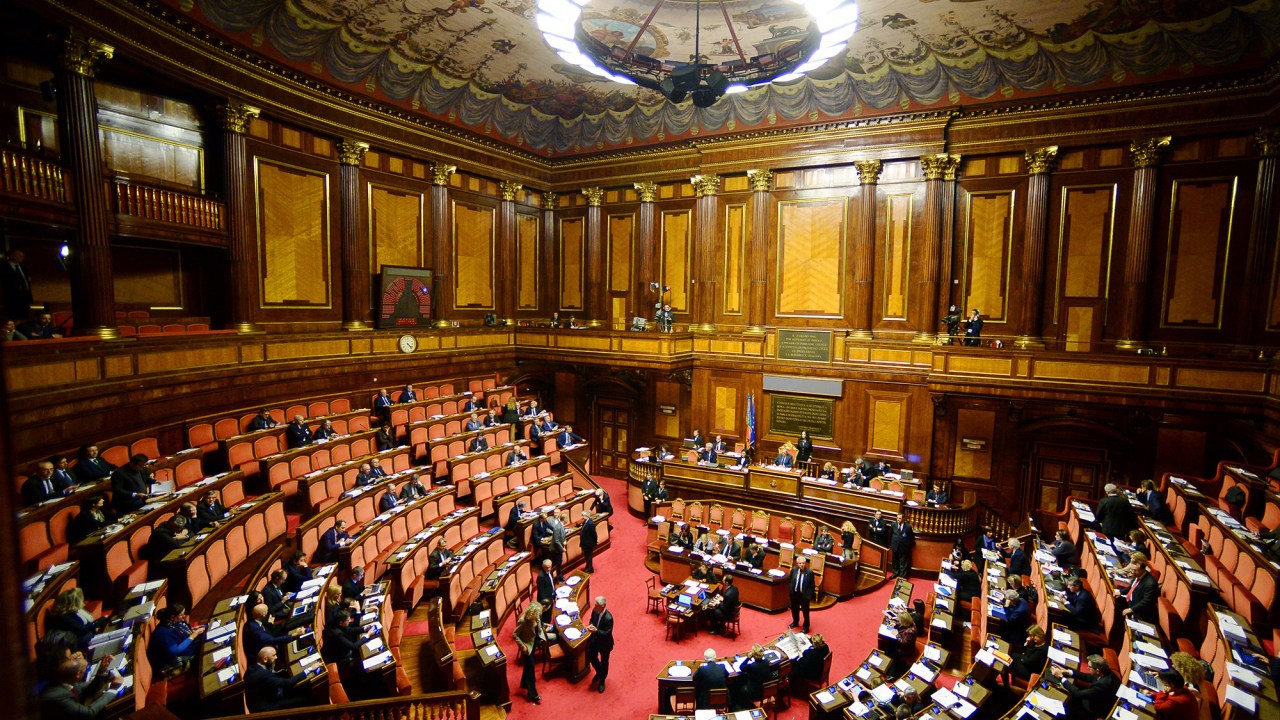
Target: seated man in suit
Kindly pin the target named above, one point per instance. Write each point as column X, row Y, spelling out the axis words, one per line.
column 382, row 405
column 512, row 529
column 720, row 446
column 257, row 636
column 472, row 404
column 69, row 697
column 278, row 602
column 370, row 473
column 567, row 438
column 91, row 466
column 602, row 503
column 516, row 456
column 353, row 586
column 330, row 542
column 40, row 486
column 170, row 536
column 194, row 524
column 1082, row 612
column 413, row 490
column 532, row 410
column 478, row 444
column 407, row 395
column 728, row 607
column 1141, row 598
column 388, row 500
column 710, row 676
column 473, row 423
column 385, row 438
column 131, row 485
column 708, row 454
column 297, row 571
column 1064, row 551
column 297, row 434
column 440, row 556
column 1091, row 693
column 211, row 511
column 63, row 480
column 491, row 418
column 937, row 496
column 754, row 555
column 264, row 690
column 1016, row 560
column 783, row 460
column 262, row 421
column 824, row 542
column 733, row 549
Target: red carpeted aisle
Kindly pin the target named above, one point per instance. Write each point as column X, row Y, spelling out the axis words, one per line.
column 641, row 650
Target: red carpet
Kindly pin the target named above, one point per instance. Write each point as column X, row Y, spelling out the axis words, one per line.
column 641, row 650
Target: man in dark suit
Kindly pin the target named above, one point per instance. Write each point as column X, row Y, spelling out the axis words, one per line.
column 567, row 438
column 388, row 500
column 937, row 496
column 407, row 395
column 91, row 466
column 512, row 528
column 436, row 562
column 802, row 592
column 720, row 446
column 1141, row 598
column 588, row 538
column 540, row 535
column 1091, row 695
column 729, row 605
column 648, row 489
column 331, row 541
column 262, row 421
column 904, row 538
column 353, row 586
column 1082, row 612
column 708, row 454
column 478, row 444
column 413, row 490
column 63, row 480
column 68, row 697
column 878, row 530
column 1017, row 561
column 1064, row 551
column 710, row 676
column 1115, row 514
column 601, row 643
column 40, row 486
column 274, row 596
column 546, row 589
column 170, row 536
column 516, row 456
column 264, row 690
column 17, row 286
column 471, row 404
column 382, row 406
column 130, row 485
column 783, row 460
column 297, row 434
column 257, row 636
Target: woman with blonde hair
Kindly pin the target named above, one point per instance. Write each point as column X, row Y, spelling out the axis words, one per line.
column 529, row 634
column 68, row 614
column 828, row 471
column 848, row 541
column 1190, row 668
column 332, row 601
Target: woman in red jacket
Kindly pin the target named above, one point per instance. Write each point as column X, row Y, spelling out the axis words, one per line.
column 1175, row 701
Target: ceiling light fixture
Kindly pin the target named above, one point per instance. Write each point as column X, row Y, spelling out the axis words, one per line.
column 773, row 49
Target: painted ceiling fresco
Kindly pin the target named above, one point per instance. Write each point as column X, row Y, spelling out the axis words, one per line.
column 483, row 65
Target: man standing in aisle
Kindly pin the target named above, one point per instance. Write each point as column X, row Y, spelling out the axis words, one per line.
column 601, row 642
column 904, row 537
column 588, row 539
column 802, row 592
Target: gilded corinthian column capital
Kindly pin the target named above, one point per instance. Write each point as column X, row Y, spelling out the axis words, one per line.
column 81, row 54
column 942, row 166
column 595, row 196
column 760, row 180
column 1041, row 161
column 510, row 190
column 234, row 116
column 351, row 152
column 868, row 171
column 440, row 173
column 704, row 185
column 647, row 191
column 1146, row 153
column 549, row 200
column 1268, row 141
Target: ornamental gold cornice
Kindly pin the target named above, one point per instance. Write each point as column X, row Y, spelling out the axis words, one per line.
column 868, row 171
column 1041, row 161
column 440, row 173
column 510, row 190
column 351, row 152
column 1268, row 141
column 705, row 185
column 549, row 200
column 1146, row 153
column 647, row 191
column 81, row 54
column 942, row 166
column 760, row 180
column 594, row 195
column 234, row 116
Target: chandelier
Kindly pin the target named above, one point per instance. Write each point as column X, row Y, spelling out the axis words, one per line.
column 645, row 42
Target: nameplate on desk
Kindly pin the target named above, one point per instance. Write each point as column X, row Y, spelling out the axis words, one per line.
column 805, row 345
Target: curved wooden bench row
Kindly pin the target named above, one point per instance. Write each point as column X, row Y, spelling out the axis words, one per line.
column 435, row 441
column 499, row 482
column 407, row 568
column 545, row 492
column 321, row 488
column 280, row 472
column 245, row 450
column 461, row 578
column 360, row 505
column 377, row 539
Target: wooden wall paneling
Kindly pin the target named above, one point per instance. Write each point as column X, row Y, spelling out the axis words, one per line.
column 667, row 426
column 150, row 278
column 397, row 226
column 1197, row 246
column 528, row 241
column 974, row 443
column 989, row 219
column 677, row 256
column 571, row 260
column 725, row 401
column 888, row 413
column 620, row 231
column 732, row 255
column 294, row 227
column 899, row 215
column 810, row 269
column 473, row 239
column 1081, row 264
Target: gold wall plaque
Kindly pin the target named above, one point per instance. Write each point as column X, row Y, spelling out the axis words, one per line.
column 789, row 414
column 804, row 345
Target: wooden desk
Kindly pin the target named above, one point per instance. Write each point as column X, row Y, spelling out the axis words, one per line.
column 570, row 616
column 779, row 652
column 42, row 591
column 226, row 545
column 762, row 591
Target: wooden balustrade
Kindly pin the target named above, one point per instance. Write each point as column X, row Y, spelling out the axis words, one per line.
column 452, row 705
column 31, row 176
column 156, row 203
column 987, row 517
column 954, row 521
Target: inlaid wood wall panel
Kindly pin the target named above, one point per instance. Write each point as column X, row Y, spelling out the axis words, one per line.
column 473, row 240
column 897, row 255
column 396, row 227
column 147, row 276
column 973, row 458
column 293, row 235
column 1084, row 240
column 1196, row 253
column 724, row 410
column 527, row 240
column 733, row 278
column 988, row 234
column 621, row 232
column 676, row 246
column 810, row 271
column 887, row 414
column 571, row 248
column 130, row 153
column 666, row 393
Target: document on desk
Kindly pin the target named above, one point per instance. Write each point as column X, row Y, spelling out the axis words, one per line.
column 1244, row 676
column 1242, row 699
column 1133, row 696
column 1144, row 628
column 1053, row 706
column 1147, row 661
column 825, row 697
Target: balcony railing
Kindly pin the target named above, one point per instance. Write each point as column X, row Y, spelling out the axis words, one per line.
column 155, row 203
column 33, row 177
column 452, row 705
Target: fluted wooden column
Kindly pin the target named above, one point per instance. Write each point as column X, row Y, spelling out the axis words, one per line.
column 757, row 259
column 506, row 251
column 549, row 287
column 1031, row 280
column 1258, row 266
column 1137, row 260
column 355, row 248
column 643, row 297
column 93, row 300
column 440, row 259
column 241, row 251
column 596, row 290
column 705, row 280
column 864, row 250
column 939, row 180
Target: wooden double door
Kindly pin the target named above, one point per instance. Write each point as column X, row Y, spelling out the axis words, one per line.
column 1060, row 470
column 612, row 433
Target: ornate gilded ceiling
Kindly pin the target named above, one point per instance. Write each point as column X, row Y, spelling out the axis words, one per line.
column 483, row 65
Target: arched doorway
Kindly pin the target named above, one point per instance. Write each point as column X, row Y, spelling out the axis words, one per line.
column 614, row 419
